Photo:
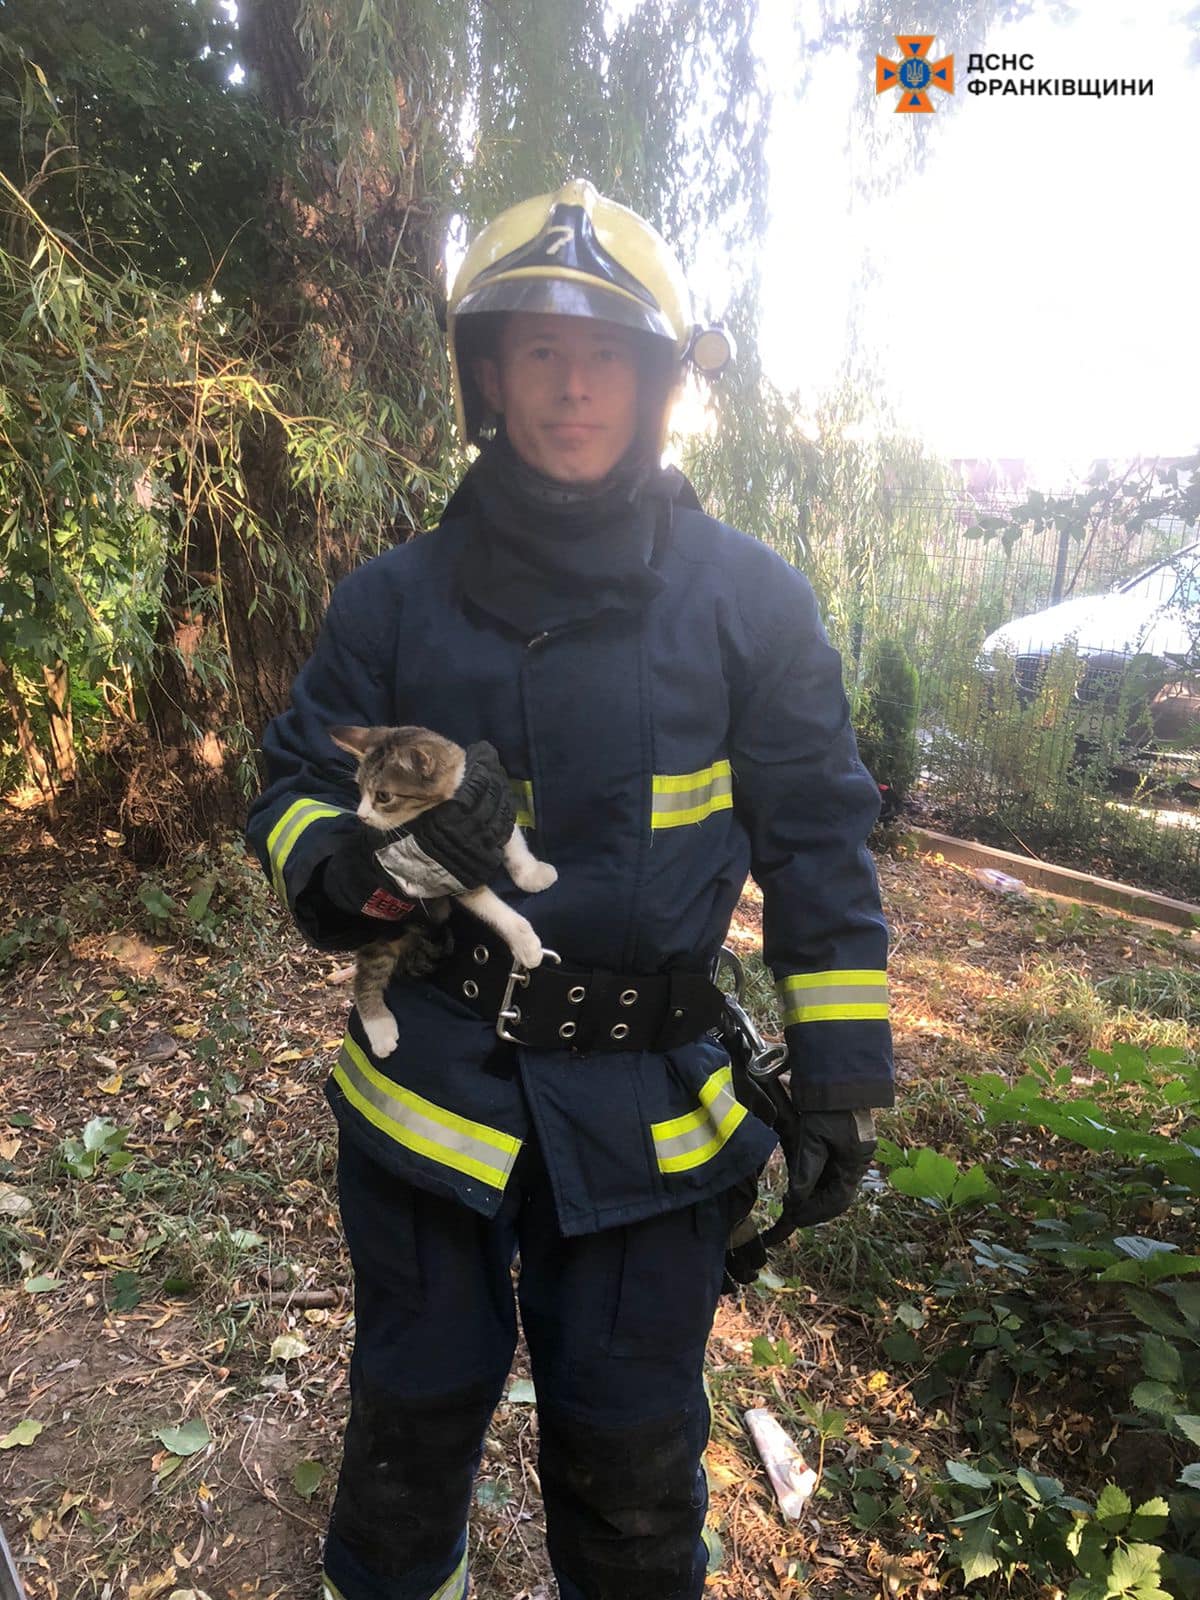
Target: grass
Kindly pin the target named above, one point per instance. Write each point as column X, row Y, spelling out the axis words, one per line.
column 207, row 1037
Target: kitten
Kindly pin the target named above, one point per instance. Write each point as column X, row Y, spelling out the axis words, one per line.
column 401, row 773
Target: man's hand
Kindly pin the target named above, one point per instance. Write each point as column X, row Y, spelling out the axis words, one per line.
column 353, row 880
column 832, row 1152
column 466, row 834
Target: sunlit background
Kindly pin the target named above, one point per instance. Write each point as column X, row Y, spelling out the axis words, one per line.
column 1031, row 292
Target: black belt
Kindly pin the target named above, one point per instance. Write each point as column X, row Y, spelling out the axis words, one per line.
column 556, row 1007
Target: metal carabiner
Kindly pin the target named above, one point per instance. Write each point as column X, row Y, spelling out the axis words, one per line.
column 762, row 1060
column 509, row 1012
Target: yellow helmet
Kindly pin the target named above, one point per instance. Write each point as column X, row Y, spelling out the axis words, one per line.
column 575, row 254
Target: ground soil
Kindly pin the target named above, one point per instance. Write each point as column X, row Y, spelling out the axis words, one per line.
column 128, row 1312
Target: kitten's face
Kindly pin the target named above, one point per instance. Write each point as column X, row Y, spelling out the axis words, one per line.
column 401, row 771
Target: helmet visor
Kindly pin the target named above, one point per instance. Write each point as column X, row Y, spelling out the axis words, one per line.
column 564, row 297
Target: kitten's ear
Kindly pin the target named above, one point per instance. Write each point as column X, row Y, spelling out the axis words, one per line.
column 421, row 759
column 358, row 741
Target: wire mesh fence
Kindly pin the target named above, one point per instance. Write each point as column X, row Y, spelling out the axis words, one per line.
column 1040, row 692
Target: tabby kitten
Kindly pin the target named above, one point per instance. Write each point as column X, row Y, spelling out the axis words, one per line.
column 401, row 773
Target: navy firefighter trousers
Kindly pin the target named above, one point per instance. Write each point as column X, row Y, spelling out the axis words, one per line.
column 616, row 1324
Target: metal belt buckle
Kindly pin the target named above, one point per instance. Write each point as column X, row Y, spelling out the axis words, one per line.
column 509, row 1012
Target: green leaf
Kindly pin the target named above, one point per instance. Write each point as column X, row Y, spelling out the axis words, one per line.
column 24, row 1433
column 968, row 1475
column 1189, row 1427
column 928, row 1176
column 245, row 1239
column 1154, row 1311
column 186, row 1439
column 902, row 1347
column 1191, row 1475
column 1113, row 1508
column 1149, row 1520
column 1160, row 1360
column 43, row 1284
column 1151, row 1270
column 1133, row 1567
column 1131, row 1061
column 156, row 901
column 911, row 1316
column 307, row 1477
column 101, row 1135
column 973, row 1187
column 1158, row 1398
column 198, row 904
column 974, row 1553
column 127, row 1290
column 762, row 1351
column 521, row 1393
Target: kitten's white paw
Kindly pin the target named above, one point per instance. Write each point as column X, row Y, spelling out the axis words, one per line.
column 538, row 875
column 382, row 1035
column 527, row 947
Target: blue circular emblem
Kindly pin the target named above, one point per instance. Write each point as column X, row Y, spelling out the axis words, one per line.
column 915, row 74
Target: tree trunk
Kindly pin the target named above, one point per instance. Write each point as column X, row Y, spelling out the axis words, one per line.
column 62, row 727
column 39, row 771
column 229, row 641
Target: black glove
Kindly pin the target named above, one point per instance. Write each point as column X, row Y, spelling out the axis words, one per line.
column 466, row 835
column 745, row 1253
column 353, row 880
column 827, row 1158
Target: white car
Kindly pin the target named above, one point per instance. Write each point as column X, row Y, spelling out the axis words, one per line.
column 1138, row 646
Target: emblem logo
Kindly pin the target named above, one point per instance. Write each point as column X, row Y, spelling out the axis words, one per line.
column 913, row 74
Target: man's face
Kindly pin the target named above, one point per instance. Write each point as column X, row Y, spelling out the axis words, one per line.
column 567, row 389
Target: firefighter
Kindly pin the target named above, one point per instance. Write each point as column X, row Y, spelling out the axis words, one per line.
column 668, row 716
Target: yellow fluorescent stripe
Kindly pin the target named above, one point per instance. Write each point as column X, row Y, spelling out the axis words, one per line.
column 675, row 819
column 681, row 782
column 282, row 838
column 712, row 1086
column 715, row 1092
column 705, row 1152
column 710, row 788
column 506, row 1143
column 843, row 1013
column 854, row 994
column 822, row 980
column 522, row 793
column 412, row 1110
column 455, row 1586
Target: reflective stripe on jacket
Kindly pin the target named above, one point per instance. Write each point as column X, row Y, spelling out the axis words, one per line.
column 657, row 757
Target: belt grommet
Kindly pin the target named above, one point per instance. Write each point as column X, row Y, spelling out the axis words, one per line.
column 620, row 1031
column 471, row 989
column 628, row 996
column 480, row 954
column 567, row 1031
column 576, row 993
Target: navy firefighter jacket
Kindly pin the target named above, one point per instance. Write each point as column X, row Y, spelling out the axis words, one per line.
column 657, row 758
